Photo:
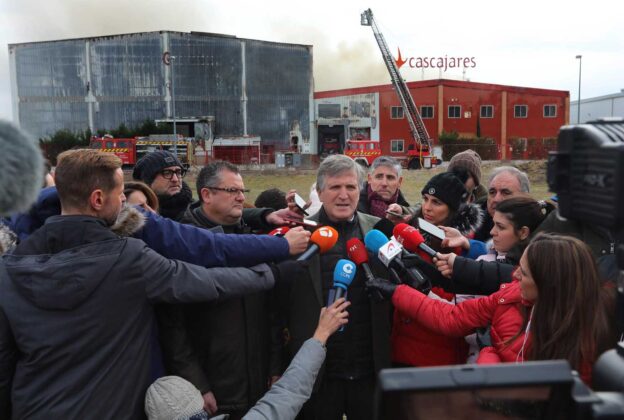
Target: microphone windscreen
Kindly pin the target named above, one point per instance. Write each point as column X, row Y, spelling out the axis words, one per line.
column 344, row 272
column 385, row 226
column 325, row 237
column 356, row 251
column 21, row 163
column 280, row 231
column 375, row 240
column 408, row 236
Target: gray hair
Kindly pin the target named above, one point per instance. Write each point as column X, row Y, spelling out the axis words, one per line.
column 388, row 161
column 334, row 165
column 523, row 179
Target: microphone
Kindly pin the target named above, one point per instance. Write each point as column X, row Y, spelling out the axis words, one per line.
column 357, row 253
column 412, row 239
column 22, row 169
column 323, row 239
column 280, row 231
column 344, row 273
column 389, row 254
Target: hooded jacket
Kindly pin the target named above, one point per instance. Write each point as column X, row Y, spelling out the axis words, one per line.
column 76, row 316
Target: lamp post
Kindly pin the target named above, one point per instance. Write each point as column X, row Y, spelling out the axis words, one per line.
column 578, row 106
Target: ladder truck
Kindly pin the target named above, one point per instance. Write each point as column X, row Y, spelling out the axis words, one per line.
column 420, row 152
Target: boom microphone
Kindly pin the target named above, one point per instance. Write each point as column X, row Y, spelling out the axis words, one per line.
column 412, row 239
column 280, row 231
column 22, row 169
column 323, row 239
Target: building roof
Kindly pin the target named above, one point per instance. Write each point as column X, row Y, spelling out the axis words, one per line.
column 620, row 94
column 136, row 34
column 443, row 82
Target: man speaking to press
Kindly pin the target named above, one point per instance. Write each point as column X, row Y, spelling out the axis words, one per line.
column 347, row 381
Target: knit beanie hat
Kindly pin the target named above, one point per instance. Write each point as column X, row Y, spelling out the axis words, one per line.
column 149, row 165
column 173, row 398
column 448, row 188
column 470, row 160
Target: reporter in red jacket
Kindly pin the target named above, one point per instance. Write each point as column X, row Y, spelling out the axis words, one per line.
column 556, row 308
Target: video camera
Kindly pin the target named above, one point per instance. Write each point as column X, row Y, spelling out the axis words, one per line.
column 587, row 173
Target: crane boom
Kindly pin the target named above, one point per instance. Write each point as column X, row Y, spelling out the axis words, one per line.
column 417, row 127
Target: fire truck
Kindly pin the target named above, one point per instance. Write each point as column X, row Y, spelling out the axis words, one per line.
column 130, row 150
column 362, row 151
column 419, row 154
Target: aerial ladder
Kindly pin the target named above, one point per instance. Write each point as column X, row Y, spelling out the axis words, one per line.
column 419, row 133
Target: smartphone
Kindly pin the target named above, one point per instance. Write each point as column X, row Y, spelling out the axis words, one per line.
column 304, row 222
column 394, row 213
column 301, row 204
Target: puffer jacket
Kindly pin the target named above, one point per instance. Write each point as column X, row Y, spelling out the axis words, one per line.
column 502, row 309
column 415, row 344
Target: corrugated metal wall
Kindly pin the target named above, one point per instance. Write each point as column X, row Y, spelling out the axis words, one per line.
column 122, row 79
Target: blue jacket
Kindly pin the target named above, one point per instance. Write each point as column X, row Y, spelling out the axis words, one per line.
column 172, row 239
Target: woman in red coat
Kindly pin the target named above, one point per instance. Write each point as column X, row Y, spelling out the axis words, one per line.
column 556, row 308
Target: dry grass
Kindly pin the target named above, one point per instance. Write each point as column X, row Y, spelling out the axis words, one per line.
column 413, row 181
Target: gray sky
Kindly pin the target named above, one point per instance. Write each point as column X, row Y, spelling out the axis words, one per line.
column 529, row 43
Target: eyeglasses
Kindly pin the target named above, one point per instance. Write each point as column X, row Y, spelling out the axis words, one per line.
column 232, row 191
column 168, row 173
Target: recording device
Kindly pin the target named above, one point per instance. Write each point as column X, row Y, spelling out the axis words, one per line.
column 529, row 390
column 394, row 213
column 22, row 169
column 280, row 231
column 432, row 234
column 587, row 174
column 389, row 253
column 323, row 239
column 385, row 226
column 411, row 239
column 301, row 204
column 301, row 222
column 344, row 273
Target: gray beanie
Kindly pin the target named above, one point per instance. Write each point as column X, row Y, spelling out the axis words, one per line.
column 149, row 165
column 173, row 398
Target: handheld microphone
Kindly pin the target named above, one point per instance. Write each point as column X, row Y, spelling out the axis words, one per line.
column 22, row 169
column 323, row 239
column 412, row 239
column 389, row 254
column 344, row 273
column 280, row 231
column 357, row 253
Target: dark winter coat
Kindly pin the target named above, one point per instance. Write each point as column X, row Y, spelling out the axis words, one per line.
column 76, row 316
column 304, row 300
column 221, row 347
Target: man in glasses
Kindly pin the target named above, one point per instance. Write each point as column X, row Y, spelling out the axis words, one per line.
column 229, row 350
column 163, row 172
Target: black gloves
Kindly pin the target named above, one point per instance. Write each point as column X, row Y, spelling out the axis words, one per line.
column 428, row 270
column 380, row 288
column 288, row 271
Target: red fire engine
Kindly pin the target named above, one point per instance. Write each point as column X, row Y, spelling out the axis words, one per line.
column 125, row 149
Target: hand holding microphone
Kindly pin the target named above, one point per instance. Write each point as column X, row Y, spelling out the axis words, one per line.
column 323, row 239
column 297, row 238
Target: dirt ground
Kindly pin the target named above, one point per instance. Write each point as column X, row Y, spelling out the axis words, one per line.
column 413, row 181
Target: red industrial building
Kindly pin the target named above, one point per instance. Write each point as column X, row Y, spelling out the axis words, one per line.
column 518, row 119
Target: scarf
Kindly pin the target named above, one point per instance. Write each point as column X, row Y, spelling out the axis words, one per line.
column 377, row 205
column 174, row 206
